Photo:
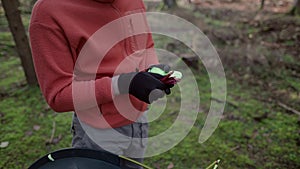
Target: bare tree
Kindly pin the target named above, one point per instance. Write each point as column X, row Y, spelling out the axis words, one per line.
column 296, row 8
column 170, row 3
column 262, row 4
column 22, row 44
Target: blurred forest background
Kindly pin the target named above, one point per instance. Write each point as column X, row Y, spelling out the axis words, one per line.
column 259, row 45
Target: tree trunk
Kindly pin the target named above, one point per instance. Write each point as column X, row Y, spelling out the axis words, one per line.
column 296, row 8
column 170, row 3
column 262, row 4
column 19, row 34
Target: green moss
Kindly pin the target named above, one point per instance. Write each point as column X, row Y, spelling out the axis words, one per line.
column 289, row 43
column 288, row 59
column 21, row 112
column 6, row 39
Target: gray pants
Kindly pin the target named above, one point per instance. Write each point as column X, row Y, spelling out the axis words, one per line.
column 129, row 140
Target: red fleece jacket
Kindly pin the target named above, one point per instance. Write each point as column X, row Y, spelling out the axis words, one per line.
column 59, row 30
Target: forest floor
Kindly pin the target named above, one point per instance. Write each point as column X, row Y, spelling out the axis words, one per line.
column 260, row 127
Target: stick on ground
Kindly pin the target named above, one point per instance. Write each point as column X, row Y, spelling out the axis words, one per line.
column 288, row 108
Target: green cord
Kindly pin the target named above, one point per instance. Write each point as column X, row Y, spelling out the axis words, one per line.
column 135, row 162
column 214, row 164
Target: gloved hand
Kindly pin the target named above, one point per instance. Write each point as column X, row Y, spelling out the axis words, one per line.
column 141, row 85
column 166, row 69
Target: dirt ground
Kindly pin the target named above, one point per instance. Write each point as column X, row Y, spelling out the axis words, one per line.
column 254, row 44
column 260, row 49
column 277, row 6
column 266, row 43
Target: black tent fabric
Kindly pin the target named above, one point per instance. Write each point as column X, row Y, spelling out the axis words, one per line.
column 78, row 159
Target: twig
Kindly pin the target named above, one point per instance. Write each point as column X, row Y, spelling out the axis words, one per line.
column 288, row 108
column 52, row 133
column 228, row 102
column 235, row 148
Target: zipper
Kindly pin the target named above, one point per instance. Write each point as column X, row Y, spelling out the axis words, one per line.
column 118, row 12
column 126, row 45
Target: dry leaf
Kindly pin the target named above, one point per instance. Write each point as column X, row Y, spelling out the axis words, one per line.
column 171, row 165
column 4, row 144
column 36, row 127
column 56, row 140
column 156, row 165
column 28, row 133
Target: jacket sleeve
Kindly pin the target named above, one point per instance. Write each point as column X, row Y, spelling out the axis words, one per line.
column 54, row 64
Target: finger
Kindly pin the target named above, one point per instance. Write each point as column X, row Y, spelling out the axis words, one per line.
column 155, row 95
column 152, row 79
column 166, row 68
column 168, row 91
column 157, row 76
column 170, row 85
column 160, row 85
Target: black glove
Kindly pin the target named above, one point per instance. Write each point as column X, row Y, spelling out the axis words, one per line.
column 166, row 69
column 169, row 86
column 141, row 85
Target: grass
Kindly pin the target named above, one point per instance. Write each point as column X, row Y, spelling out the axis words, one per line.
column 252, row 133
column 11, row 77
column 210, row 20
column 26, row 124
column 240, row 141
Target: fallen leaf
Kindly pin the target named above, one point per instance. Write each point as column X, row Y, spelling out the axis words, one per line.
column 36, row 127
column 57, row 140
column 156, row 165
column 4, row 144
column 28, row 133
column 171, row 165
column 54, row 140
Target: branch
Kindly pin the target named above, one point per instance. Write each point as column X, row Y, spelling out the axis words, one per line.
column 288, row 108
column 50, row 141
column 228, row 102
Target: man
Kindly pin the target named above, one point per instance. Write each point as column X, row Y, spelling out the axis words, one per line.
column 60, row 32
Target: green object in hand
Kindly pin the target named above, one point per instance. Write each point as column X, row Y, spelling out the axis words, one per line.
column 172, row 74
column 177, row 75
column 158, row 71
